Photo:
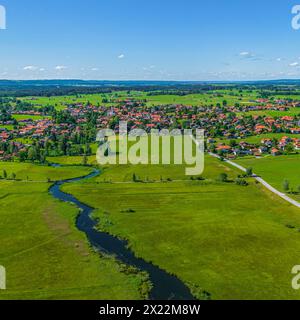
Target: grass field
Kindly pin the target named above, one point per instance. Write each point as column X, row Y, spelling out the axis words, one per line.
column 218, row 96
column 72, row 160
column 19, row 117
column 8, row 127
column 209, row 234
column 31, row 172
column 124, row 173
column 257, row 139
column 46, row 257
column 277, row 169
column 272, row 113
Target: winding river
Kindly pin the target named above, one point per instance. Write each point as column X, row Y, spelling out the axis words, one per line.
column 165, row 286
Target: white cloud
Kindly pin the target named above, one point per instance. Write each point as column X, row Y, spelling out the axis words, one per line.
column 294, row 64
column 247, row 54
column 30, row 68
column 59, row 68
column 150, row 68
column 95, row 69
column 42, row 69
column 121, row 56
column 279, row 59
column 244, row 53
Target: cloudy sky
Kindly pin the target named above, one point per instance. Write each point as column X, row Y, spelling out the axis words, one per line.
column 154, row 40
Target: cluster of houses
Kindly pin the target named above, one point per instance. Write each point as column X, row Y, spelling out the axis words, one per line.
column 230, row 122
column 274, row 147
column 226, row 121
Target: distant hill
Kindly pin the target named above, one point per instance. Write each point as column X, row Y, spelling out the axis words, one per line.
column 75, row 86
column 134, row 83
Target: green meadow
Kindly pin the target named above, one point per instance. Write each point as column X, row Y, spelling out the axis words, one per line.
column 20, row 117
column 210, row 234
column 32, row 172
column 231, row 96
column 272, row 113
column 8, row 127
column 217, row 96
column 277, row 169
column 46, row 257
column 156, row 173
column 257, row 139
column 72, row 160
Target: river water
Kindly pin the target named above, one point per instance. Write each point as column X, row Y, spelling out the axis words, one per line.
column 165, row 285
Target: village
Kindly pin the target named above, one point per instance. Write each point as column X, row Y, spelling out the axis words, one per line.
column 37, row 135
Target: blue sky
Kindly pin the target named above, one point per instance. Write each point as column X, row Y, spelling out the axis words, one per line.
column 153, row 40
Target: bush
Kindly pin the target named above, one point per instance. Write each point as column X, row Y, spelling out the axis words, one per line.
column 249, row 172
column 286, row 185
column 241, row 182
column 223, row 177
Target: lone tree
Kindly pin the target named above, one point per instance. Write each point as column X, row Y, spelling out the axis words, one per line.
column 223, row 177
column 249, row 172
column 134, row 178
column 286, row 185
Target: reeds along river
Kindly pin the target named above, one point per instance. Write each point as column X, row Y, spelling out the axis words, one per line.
column 165, row 286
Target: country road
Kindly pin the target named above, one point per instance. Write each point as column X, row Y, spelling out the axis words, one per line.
column 262, row 181
column 257, row 178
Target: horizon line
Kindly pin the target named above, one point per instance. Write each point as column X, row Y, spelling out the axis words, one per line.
column 143, row 80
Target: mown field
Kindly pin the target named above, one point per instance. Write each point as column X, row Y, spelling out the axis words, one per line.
column 272, row 113
column 156, row 173
column 20, row 117
column 72, row 160
column 32, row 172
column 210, row 234
column 45, row 256
column 217, row 96
column 277, row 169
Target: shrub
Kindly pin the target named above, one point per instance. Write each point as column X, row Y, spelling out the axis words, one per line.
column 241, row 182
column 223, row 177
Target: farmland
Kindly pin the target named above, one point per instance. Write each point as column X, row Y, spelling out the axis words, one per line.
column 227, row 242
column 275, row 170
column 33, row 172
column 114, row 98
column 21, row 117
column 257, row 139
column 46, row 257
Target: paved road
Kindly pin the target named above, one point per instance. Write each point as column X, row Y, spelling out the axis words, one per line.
column 257, row 178
column 263, row 182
